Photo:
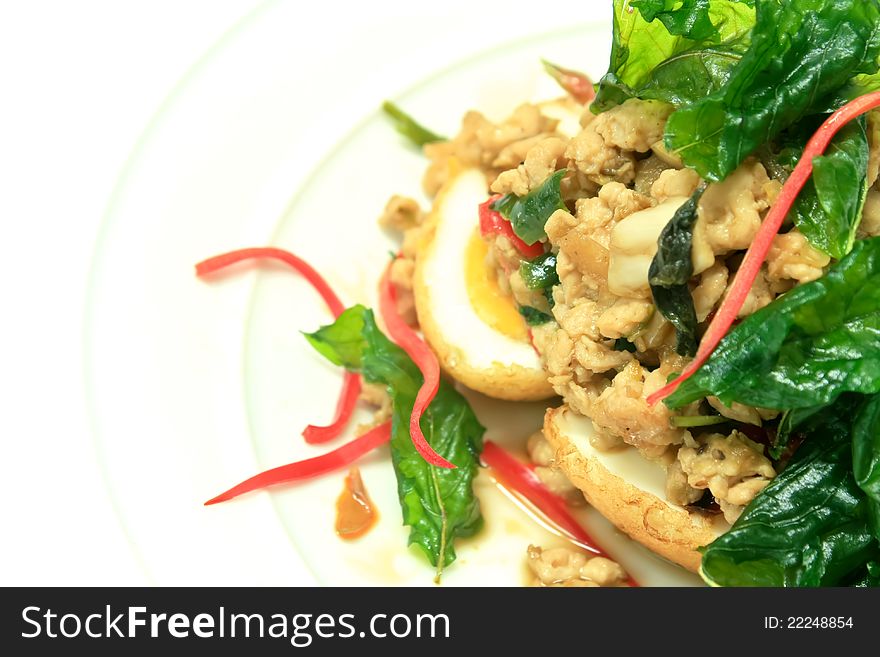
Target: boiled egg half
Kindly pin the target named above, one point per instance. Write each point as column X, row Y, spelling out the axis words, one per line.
column 472, row 325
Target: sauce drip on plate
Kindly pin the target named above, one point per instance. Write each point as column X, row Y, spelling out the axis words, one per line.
column 355, row 512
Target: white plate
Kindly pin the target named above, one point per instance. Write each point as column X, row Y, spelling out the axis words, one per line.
column 195, row 386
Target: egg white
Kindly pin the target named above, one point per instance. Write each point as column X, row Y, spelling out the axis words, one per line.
column 470, row 350
column 629, row 490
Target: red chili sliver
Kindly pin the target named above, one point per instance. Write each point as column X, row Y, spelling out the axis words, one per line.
column 491, row 221
column 351, row 386
column 574, row 82
column 424, row 359
column 532, row 342
column 308, row 272
column 340, row 457
column 522, row 479
column 757, row 253
column 351, row 390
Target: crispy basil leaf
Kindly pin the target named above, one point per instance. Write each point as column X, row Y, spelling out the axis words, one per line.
column 533, row 316
column 406, row 125
column 670, row 271
column 866, row 454
column 438, row 504
column 809, row 527
column 805, row 348
column 529, row 213
column 683, row 55
column 676, row 304
column 829, row 207
column 540, row 273
column 801, row 53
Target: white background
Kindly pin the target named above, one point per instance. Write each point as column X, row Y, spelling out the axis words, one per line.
column 80, row 82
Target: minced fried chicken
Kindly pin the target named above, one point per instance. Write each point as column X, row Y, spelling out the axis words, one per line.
column 619, row 169
column 608, row 348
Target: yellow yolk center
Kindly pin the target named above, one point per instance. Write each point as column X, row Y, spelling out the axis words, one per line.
column 491, row 304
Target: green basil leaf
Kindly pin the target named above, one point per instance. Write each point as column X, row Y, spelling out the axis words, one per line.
column 504, row 205
column 540, row 273
column 533, row 316
column 829, row 208
column 858, row 86
column 688, row 18
column 869, row 576
column 670, row 271
column 438, row 504
column 805, row 348
column 680, row 57
column 809, row 527
column 418, row 134
column 688, row 76
column 528, row 214
column 801, row 53
column 866, row 454
column 342, row 342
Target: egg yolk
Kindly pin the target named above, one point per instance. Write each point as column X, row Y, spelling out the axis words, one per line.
column 492, row 305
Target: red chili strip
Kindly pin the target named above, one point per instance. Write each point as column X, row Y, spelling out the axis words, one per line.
column 532, row 342
column 522, row 479
column 351, row 390
column 757, row 253
column 424, row 359
column 491, row 221
column 578, row 84
column 340, row 457
column 308, row 272
column 351, row 386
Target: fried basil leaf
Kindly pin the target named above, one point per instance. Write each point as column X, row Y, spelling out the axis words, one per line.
column 858, row 86
column 866, row 454
column 828, row 209
column 805, row 348
column 801, row 53
column 869, row 576
column 811, row 526
column 529, row 213
column 676, row 304
column 670, row 271
column 439, row 504
column 691, row 75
